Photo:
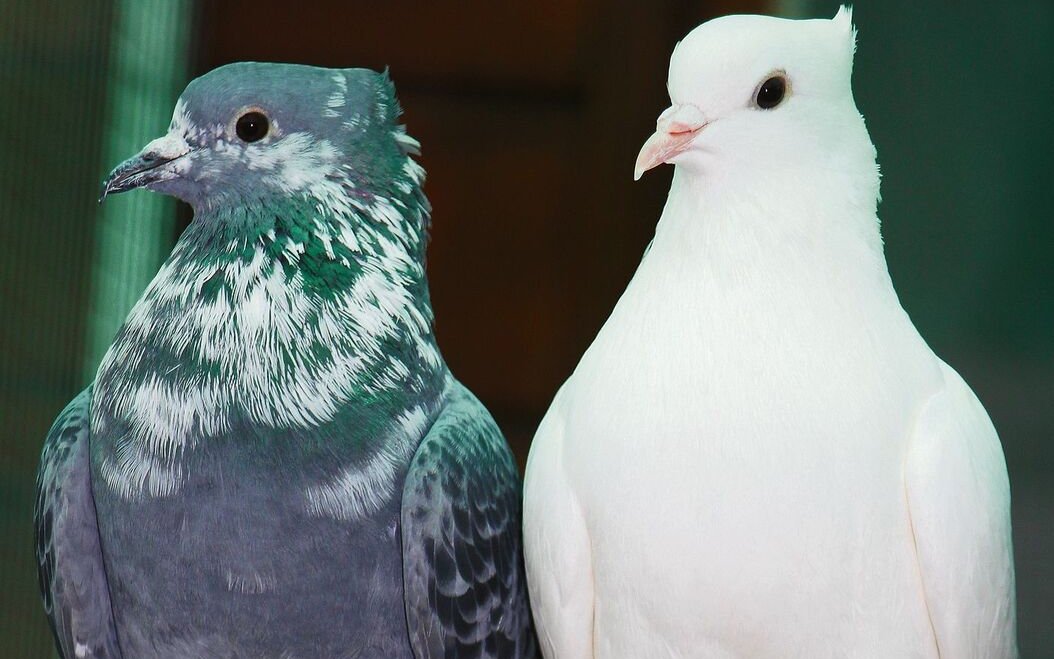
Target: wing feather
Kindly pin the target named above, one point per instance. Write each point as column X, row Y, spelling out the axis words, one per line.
column 466, row 592
column 558, row 549
column 69, row 558
column 959, row 502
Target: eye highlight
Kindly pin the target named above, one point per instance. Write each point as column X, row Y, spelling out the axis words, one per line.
column 771, row 92
column 252, row 126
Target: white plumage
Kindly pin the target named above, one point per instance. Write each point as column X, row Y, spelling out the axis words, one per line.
column 759, row 456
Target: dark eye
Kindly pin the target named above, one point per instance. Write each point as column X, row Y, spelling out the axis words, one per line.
column 771, row 92
column 251, row 126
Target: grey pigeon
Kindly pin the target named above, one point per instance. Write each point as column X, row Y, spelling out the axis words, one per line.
column 274, row 461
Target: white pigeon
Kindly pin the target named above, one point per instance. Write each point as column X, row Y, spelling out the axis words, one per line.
column 759, row 456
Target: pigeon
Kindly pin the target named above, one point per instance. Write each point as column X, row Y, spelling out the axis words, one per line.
column 274, row 460
column 759, row 456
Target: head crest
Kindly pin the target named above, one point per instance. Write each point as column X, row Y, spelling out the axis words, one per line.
column 843, row 20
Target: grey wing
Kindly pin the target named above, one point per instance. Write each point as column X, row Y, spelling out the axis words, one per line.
column 69, row 558
column 465, row 586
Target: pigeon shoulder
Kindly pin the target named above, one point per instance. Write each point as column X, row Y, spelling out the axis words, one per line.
column 69, row 556
column 558, row 550
column 465, row 587
column 958, row 496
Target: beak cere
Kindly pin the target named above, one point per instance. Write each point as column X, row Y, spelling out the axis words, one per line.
column 675, row 131
column 147, row 166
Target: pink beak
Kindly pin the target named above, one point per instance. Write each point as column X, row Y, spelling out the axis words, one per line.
column 675, row 130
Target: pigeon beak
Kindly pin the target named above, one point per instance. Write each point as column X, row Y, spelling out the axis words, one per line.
column 675, row 131
column 146, row 167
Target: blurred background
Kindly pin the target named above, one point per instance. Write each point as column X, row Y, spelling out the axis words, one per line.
column 530, row 116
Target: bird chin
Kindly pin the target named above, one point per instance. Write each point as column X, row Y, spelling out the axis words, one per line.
column 176, row 186
column 691, row 160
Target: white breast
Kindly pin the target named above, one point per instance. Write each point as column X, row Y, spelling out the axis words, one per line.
column 735, row 437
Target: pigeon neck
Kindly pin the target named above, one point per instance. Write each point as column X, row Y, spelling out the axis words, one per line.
column 309, row 311
column 323, row 242
column 768, row 224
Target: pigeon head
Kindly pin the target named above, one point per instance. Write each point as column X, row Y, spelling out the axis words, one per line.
column 254, row 134
column 754, row 94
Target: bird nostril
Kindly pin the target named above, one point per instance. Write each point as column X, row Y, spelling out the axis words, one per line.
column 680, row 128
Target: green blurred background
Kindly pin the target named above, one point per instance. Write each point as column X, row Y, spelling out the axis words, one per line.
column 956, row 95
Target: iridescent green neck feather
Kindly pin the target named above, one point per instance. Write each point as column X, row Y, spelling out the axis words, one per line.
column 298, row 290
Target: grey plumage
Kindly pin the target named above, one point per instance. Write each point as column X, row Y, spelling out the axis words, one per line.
column 464, row 586
column 69, row 559
column 274, row 460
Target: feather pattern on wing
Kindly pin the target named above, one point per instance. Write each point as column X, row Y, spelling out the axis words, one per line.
column 69, row 557
column 466, row 592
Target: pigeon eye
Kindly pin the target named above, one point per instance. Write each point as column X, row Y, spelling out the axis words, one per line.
column 771, row 92
column 252, row 126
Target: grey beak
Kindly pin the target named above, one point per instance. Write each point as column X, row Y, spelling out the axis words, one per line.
column 146, row 167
